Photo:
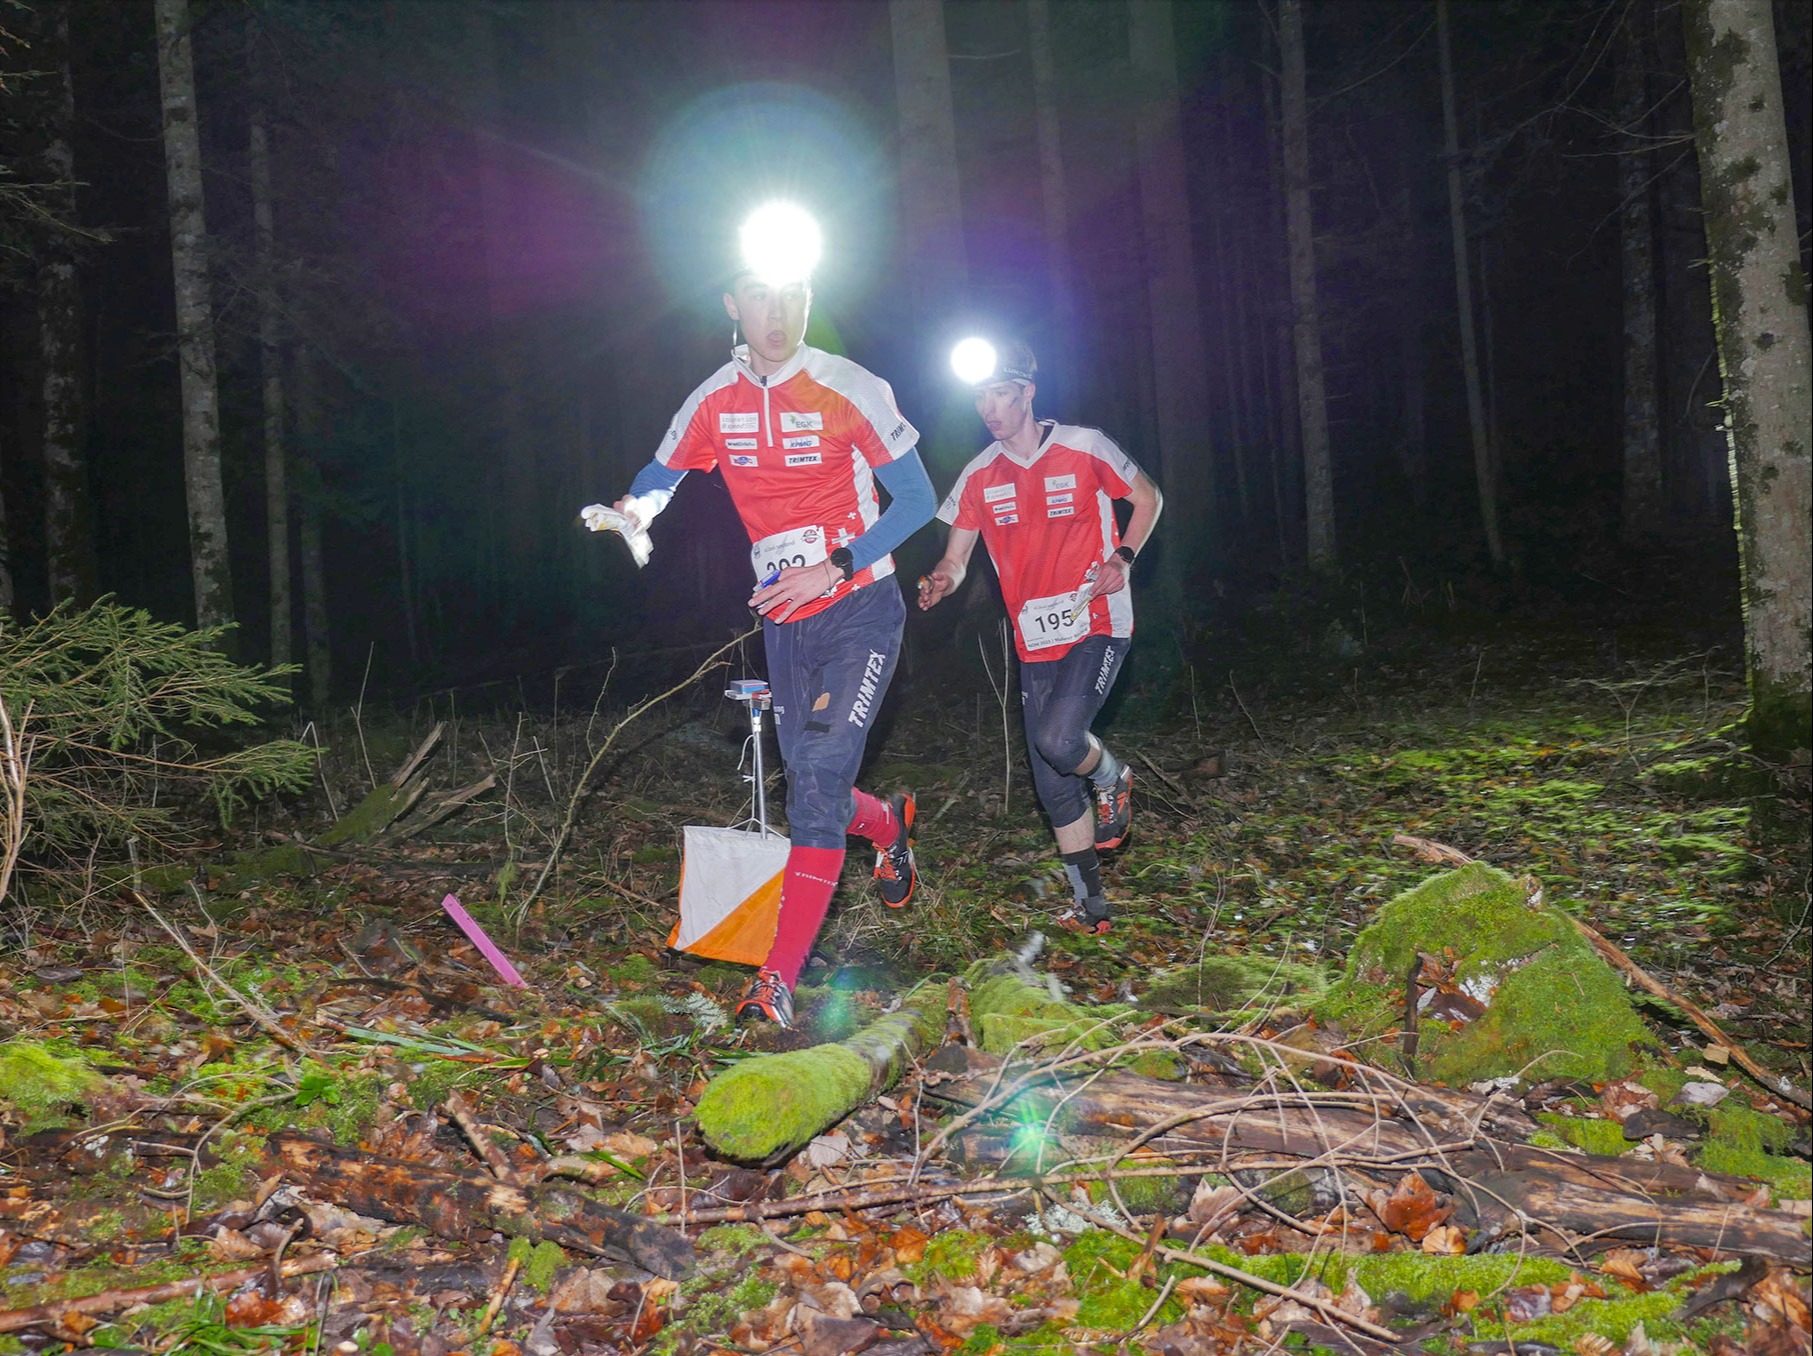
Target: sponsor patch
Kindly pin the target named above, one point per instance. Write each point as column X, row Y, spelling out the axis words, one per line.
column 1010, row 506
column 1063, row 512
column 805, row 458
column 740, row 444
column 1004, row 519
column 744, row 459
column 739, row 423
column 1059, row 498
column 803, row 440
column 994, row 492
column 1060, row 482
column 798, row 421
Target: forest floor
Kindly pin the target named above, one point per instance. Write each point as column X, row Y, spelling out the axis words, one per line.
column 1270, row 782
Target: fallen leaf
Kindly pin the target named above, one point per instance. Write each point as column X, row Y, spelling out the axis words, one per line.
column 1445, row 1240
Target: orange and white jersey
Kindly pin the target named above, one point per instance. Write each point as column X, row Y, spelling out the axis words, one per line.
column 1048, row 524
column 797, row 450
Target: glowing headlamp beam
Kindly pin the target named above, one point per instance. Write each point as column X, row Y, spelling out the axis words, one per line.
column 974, row 361
column 781, row 243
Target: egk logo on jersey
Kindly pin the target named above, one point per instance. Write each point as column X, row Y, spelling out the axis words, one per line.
column 799, row 421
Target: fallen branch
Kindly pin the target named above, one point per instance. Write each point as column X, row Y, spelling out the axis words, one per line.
column 263, row 1016
column 112, row 1301
column 768, row 1106
column 461, row 1114
column 579, row 787
column 470, row 1207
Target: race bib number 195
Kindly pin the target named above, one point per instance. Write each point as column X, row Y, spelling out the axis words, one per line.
column 796, row 546
column 1056, row 620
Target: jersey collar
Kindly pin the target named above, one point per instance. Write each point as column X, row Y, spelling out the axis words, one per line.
column 740, row 356
column 1050, row 426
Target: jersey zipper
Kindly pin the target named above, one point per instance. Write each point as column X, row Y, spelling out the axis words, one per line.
column 767, row 430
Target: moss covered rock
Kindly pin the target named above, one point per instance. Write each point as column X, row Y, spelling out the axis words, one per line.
column 40, row 1087
column 1553, row 1007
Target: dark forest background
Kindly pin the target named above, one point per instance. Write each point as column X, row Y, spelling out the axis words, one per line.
column 500, row 229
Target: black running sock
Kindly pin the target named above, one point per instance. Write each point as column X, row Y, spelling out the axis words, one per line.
column 1106, row 771
column 1085, row 871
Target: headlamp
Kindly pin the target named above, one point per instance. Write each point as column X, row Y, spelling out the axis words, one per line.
column 977, row 363
column 781, row 243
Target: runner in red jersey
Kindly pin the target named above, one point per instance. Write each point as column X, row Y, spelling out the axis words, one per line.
column 803, row 438
column 1041, row 496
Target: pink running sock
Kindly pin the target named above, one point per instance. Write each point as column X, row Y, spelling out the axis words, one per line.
column 805, row 896
column 874, row 819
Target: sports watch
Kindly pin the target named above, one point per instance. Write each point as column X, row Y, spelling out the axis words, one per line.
column 842, row 561
column 1125, row 553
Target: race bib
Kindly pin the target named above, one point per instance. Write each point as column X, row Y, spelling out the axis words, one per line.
column 798, row 546
column 1056, row 620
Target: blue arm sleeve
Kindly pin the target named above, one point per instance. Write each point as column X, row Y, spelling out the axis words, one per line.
column 656, row 478
column 909, row 508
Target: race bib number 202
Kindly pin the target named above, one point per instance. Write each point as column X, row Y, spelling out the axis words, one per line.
column 797, row 546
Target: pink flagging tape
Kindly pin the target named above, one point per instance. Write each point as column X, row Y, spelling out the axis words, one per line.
column 488, row 948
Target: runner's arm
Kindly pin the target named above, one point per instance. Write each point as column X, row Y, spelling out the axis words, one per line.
column 947, row 575
column 1148, row 502
column 910, row 505
column 649, row 492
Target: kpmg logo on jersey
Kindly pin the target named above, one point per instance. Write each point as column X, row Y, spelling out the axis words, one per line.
column 740, row 444
column 994, row 492
column 1059, row 498
column 798, row 421
column 805, row 458
column 744, row 460
column 739, row 423
column 803, row 440
column 1060, row 482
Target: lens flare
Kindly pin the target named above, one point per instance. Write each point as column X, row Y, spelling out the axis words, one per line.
column 973, row 360
column 781, row 243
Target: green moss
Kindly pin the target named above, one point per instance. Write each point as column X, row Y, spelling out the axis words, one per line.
column 371, row 814
column 1232, row 984
column 1554, row 1007
column 1006, row 1011
column 636, row 970
column 538, row 1268
column 41, row 1087
column 1740, row 1142
column 1097, row 1262
column 739, row 1240
column 952, row 1254
column 761, row 1106
column 1591, row 1133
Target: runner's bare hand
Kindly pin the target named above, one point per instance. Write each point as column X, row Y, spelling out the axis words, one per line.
column 1111, row 577
column 797, row 586
column 933, row 589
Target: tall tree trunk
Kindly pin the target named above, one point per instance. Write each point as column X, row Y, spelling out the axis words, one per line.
column 1051, row 175
column 1306, row 322
column 270, row 357
column 1759, row 302
column 7, row 595
column 208, row 557
column 310, row 435
column 931, row 202
column 1463, row 292
column 1180, row 363
column 1280, row 367
column 68, row 518
column 1642, row 517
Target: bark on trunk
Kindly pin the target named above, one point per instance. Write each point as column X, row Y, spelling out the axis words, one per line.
column 470, row 1206
column 768, row 1107
column 68, row 523
column 208, row 556
column 1306, row 318
column 6, row 550
column 1463, row 295
column 1642, row 517
column 1180, row 364
column 931, row 203
column 310, row 428
column 1501, row 1185
column 1051, row 174
column 1759, row 300
column 270, row 355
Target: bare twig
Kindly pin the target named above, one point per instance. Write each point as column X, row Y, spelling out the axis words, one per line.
column 111, row 1301
column 460, row 1113
column 259, row 1014
column 573, row 802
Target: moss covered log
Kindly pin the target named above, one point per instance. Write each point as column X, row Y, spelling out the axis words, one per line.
column 769, row 1106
